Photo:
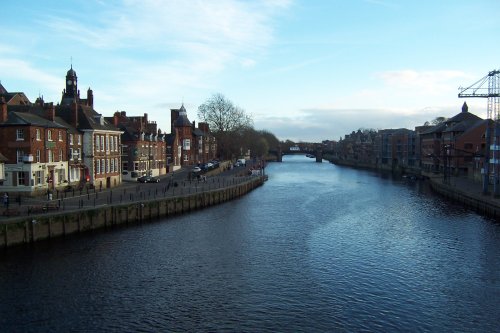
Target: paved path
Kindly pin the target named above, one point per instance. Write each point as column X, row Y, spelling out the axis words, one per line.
column 173, row 184
column 468, row 187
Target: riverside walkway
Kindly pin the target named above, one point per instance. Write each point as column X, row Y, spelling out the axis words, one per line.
column 175, row 184
column 467, row 191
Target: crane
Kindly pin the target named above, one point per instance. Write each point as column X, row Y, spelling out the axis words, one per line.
column 492, row 93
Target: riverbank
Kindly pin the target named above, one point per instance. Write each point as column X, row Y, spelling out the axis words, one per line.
column 458, row 189
column 29, row 229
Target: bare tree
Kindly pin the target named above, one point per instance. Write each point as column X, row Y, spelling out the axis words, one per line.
column 438, row 120
column 222, row 115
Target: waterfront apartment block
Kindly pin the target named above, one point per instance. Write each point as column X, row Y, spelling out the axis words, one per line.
column 457, row 145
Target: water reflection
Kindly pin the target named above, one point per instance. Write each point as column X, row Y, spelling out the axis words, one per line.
column 317, row 248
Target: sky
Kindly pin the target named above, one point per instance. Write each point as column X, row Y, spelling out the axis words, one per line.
column 305, row 70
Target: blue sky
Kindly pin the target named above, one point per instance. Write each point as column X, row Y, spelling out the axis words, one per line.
column 306, row 70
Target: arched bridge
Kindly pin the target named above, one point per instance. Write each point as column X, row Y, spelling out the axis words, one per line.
column 313, row 153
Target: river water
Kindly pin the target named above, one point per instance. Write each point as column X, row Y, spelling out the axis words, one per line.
column 318, row 248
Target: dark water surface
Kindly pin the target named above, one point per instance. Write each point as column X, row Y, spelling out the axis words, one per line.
column 318, row 248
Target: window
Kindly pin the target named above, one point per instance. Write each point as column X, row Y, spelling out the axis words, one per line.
column 186, row 144
column 103, row 166
column 60, row 154
column 49, row 135
column 98, row 166
column 107, row 165
column 71, row 139
column 112, row 165
column 38, row 177
column 97, row 143
column 125, row 166
column 102, row 142
column 116, row 165
column 20, row 135
column 37, row 134
column 59, row 136
column 71, row 153
column 38, row 156
column 79, row 139
column 50, row 156
column 116, row 143
column 19, row 154
column 20, row 178
column 107, row 143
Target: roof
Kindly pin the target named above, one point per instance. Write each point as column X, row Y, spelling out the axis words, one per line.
column 2, row 89
column 25, row 118
column 182, row 119
column 88, row 118
column 198, row 132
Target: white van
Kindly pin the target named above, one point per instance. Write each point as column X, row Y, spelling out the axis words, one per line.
column 241, row 162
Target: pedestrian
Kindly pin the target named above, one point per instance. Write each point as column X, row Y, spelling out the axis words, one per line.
column 6, row 200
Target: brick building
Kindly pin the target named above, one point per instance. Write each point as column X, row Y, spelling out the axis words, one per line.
column 144, row 147
column 101, row 140
column 35, row 148
column 194, row 145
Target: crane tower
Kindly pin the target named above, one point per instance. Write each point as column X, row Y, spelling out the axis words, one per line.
column 492, row 93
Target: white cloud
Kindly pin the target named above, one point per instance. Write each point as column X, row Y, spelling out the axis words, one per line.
column 429, row 82
column 23, row 71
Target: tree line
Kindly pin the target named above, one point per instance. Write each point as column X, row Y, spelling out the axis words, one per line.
column 233, row 129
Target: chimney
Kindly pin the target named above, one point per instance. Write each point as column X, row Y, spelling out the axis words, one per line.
column 145, row 118
column 3, row 106
column 90, row 98
column 203, row 127
column 116, row 118
column 74, row 114
column 174, row 114
column 50, row 111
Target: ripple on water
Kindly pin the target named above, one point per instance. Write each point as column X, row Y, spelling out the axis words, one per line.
column 318, row 248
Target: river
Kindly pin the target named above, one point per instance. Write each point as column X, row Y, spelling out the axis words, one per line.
column 318, row 248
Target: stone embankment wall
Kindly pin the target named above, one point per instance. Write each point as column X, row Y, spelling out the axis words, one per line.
column 33, row 228
column 482, row 204
column 377, row 167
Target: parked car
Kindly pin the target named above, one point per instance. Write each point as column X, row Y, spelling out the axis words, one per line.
column 196, row 169
column 148, row 179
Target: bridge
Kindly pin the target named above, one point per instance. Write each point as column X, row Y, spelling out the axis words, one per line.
column 311, row 150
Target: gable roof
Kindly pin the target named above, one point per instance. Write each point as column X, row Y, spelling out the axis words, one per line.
column 25, row 118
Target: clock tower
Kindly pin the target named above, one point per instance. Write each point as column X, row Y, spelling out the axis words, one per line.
column 70, row 94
